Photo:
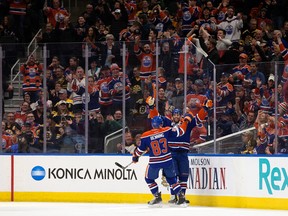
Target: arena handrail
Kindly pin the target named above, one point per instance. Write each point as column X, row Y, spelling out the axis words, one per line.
column 222, row 138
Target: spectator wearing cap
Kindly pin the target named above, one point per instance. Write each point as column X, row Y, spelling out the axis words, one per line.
column 255, row 76
column 196, row 98
column 243, row 67
column 265, row 106
column 62, row 113
column 177, row 99
column 224, row 91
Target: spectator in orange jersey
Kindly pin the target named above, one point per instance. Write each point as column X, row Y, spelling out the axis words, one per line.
column 56, row 13
column 32, row 82
column 147, row 57
column 196, row 98
column 20, row 116
column 105, row 99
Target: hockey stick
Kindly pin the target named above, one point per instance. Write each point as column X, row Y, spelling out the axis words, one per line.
column 124, row 167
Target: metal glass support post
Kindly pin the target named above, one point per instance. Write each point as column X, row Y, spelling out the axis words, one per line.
column 44, row 99
column 123, row 96
column 86, row 99
column 214, row 104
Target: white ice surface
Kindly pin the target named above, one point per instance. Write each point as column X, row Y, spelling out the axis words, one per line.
column 96, row 209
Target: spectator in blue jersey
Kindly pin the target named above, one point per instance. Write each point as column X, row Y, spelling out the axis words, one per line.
column 160, row 157
column 254, row 74
column 116, row 88
column 180, row 145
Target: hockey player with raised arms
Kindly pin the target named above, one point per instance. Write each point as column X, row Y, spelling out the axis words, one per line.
column 156, row 140
column 179, row 146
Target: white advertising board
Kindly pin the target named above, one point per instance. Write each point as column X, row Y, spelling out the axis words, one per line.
column 209, row 175
column 79, row 174
column 5, row 170
column 238, row 176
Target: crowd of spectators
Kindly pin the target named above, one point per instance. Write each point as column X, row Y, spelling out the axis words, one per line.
column 242, row 38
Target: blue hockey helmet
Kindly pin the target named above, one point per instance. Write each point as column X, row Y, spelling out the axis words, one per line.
column 176, row 111
column 156, row 122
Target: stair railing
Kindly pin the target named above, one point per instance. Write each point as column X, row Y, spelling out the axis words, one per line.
column 33, row 43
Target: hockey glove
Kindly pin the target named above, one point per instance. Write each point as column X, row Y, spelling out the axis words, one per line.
column 188, row 116
column 135, row 158
column 208, row 104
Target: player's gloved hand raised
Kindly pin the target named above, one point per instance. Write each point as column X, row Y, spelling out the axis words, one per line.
column 188, row 116
column 150, row 101
column 208, row 104
column 135, row 158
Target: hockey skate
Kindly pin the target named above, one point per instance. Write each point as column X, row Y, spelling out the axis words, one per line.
column 157, row 201
column 173, row 200
column 181, row 200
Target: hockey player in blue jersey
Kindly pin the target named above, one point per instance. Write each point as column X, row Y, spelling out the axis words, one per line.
column 156, row 140
column 179, row 146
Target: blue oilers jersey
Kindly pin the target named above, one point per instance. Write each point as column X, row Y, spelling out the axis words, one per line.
column 156, row 140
